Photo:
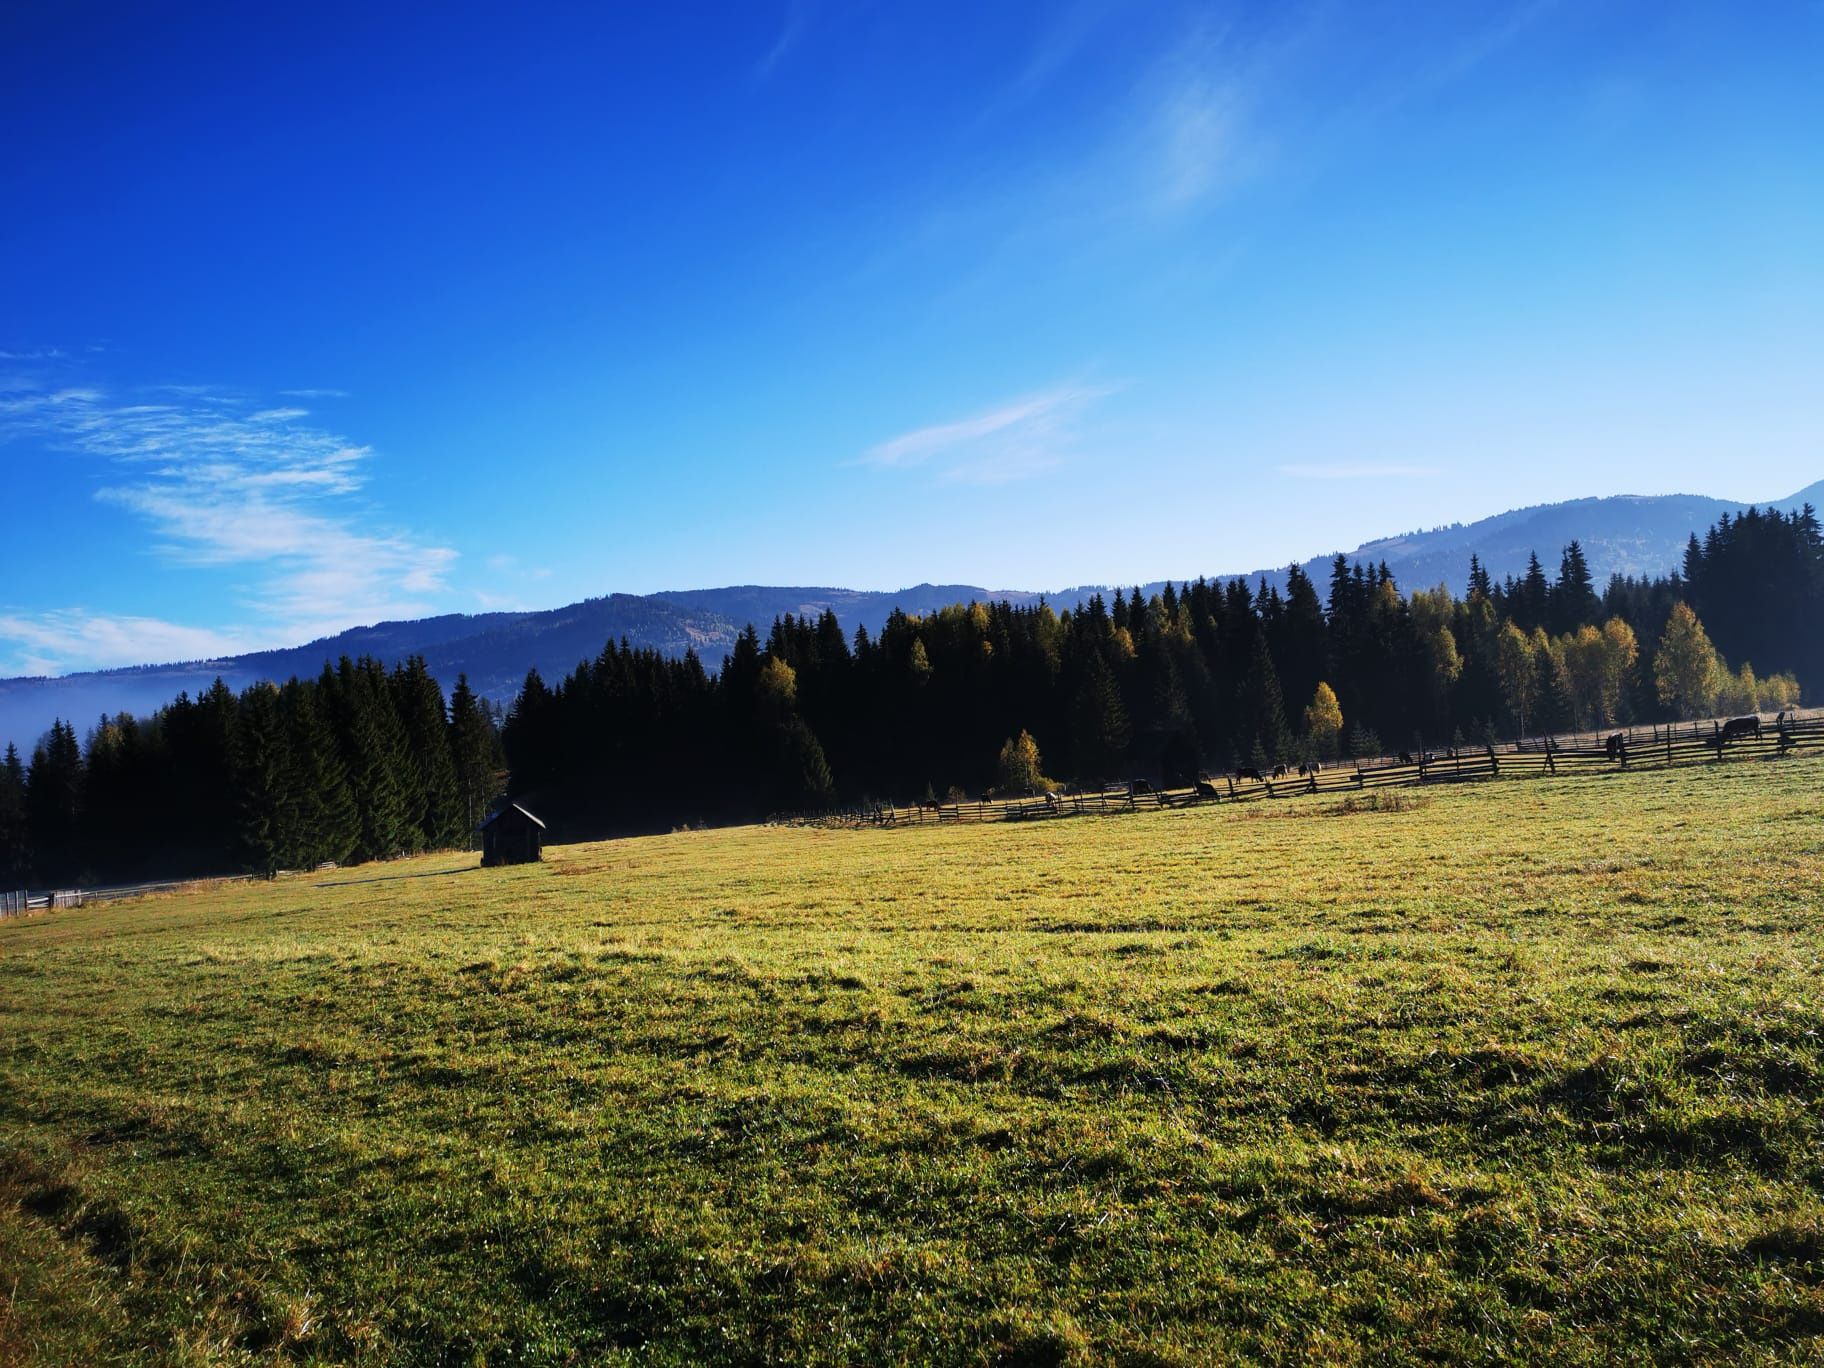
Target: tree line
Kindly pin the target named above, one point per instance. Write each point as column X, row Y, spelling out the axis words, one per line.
column 365, row 762
column 360, row 763
column 1196, row 677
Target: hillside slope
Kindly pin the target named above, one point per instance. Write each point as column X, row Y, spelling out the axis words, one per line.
column 1624, row 534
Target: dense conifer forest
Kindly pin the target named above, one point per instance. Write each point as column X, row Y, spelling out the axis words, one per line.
column 363, row 763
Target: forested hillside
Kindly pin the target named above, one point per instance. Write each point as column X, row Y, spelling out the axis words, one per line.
column 359, row 762
column 1619, row 534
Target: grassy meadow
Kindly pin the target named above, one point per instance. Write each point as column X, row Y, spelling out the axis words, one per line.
column 1515, row 1070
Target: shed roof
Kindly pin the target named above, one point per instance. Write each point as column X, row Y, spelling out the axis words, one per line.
column 493, row 817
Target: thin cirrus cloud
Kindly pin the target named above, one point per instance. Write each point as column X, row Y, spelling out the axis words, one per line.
column 1020, row 437
column 223, row 484
column 46, row 643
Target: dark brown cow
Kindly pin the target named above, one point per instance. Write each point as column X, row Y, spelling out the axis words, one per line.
column 1205, row 789
column 1741, row 726
column 1249, row 773
column 1616, row 747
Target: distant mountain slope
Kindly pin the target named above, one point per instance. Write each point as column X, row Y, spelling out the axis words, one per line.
column 1629, row 534
column 1625, row 534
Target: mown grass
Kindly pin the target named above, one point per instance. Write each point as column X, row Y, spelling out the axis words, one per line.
column 1511, row 1071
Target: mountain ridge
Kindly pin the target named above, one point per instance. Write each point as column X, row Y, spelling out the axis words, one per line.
column 1626, row 534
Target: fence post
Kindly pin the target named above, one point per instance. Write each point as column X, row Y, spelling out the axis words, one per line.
column 1494, row 765
column 1551, row 762
column 1716, row 729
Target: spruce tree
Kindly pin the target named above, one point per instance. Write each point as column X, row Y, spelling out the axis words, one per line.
column 15, row 854
column 473, row 752
column 1262, row 707
column 434, row 801
column 1099, row 723
column 327, row 822
column 373, row 751
column 265, row 787
column 53, row 803
column 1574, row 602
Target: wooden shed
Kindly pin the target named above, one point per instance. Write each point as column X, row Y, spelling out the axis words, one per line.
column 511, row 836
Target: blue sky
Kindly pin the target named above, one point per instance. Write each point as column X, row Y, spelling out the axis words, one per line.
column 315, row 315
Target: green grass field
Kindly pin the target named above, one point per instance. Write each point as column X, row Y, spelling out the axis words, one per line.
column 1513, row 1070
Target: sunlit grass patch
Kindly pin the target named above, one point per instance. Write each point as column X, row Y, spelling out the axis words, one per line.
column 1487, row 1075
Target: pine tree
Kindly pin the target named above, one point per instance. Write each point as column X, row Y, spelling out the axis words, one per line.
column 434, row 802
column 1262, row 707
column 1574, row 602
column 474, row 753
column 15, row 854
column 327, row 823
column 53, row 803
column 372, row 749
column 1530, row 603
column 265, row 785
column 802, row 777
column 1099, row 723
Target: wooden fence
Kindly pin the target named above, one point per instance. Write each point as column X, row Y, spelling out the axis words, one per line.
column 1686, row 743
column 22, row 901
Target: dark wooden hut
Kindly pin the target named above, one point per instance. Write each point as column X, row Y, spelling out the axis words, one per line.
column 511, row 836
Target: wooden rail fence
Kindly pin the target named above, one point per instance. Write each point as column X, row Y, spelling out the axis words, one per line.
column 1661, row 747
column 19, row 902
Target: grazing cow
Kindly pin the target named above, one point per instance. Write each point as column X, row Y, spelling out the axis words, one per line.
column 1405, row 757
column 1205, row 789
column 1138, row 786
column 1280, row 771
column 1741, row 726
column 930, row 805
column 1051, row 802
column 1616, row 747
column 1249, row 773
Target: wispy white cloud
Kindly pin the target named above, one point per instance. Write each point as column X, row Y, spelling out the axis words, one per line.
column 1345, row 470
column 222, row 483
column 314, row 394
column 46, row 643
column 1020, row 437
column 797, row 18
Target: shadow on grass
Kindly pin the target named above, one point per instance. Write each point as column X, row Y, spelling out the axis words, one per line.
column 389, row 878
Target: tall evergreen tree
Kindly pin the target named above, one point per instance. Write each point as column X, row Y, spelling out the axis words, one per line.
column 1100, row 729
column 327, row 819
column 1573, row 599
column 264, row 782
column 53, row 803
column 15, row 853
column 1262, row 707
column 373, row 751
column 474, row 751
column 434, row 802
